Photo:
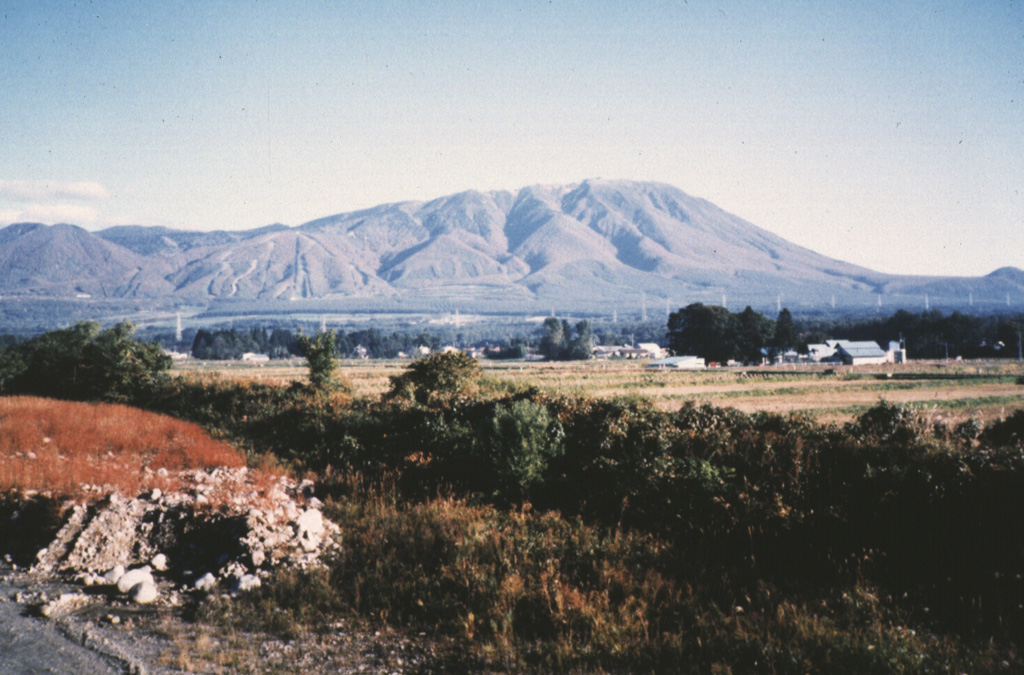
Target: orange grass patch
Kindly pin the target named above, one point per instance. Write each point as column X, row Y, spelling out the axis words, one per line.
column 58, row 447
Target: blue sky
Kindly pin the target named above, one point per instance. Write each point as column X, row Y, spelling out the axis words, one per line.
column 886, row 134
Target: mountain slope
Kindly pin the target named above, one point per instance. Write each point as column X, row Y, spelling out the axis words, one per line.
column 63, row 260
column 590, row 246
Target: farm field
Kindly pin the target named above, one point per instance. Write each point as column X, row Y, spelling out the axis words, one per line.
column 953, row 390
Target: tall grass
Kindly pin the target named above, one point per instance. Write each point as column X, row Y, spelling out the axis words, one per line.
column 522, row 591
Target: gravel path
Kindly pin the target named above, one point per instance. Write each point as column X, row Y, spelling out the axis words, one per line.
column 31, row 645
column 82, row 640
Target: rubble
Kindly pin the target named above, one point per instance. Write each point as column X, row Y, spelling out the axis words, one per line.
column 222, row 528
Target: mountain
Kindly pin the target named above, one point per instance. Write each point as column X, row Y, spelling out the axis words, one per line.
column 65, row 260
column 595, row 246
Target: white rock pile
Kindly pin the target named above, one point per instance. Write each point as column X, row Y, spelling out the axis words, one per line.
column 225, row 528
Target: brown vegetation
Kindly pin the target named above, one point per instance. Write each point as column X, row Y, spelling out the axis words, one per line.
column 60, row 447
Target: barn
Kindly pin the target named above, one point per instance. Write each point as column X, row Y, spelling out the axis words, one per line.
column 861, row 353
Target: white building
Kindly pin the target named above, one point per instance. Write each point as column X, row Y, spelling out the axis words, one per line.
column 678, row 363
column 653, row 350
column 861, row 353
column 820, row 352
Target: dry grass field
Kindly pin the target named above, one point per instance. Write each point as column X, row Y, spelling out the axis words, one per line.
column 61, row 446
column 953, row 390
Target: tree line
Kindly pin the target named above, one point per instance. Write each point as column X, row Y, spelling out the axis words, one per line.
column 557, row 340
column 716, row 334
column 929, row 334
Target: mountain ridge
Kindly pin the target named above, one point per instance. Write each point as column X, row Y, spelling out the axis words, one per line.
column 588, row 246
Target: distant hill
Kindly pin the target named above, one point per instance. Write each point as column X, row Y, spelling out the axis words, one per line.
column 595, row 246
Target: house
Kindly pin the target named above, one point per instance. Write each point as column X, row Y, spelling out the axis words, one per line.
column 897, row 352
column 653, row 350
column 177, row 356
column 678, row 363
column 820, row 351
column 792, row 356
column 620, row 352
column 253, row 357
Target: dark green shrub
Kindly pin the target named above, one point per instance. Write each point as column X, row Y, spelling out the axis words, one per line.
column 1007, row 432
column 520, row 440
column 887, row 423
column 436, row 379
column 85, row 363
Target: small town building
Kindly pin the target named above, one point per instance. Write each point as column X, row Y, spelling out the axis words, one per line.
column 653, row 351
column 819, row 352
column 897, row 352
column 620, row 352
column 678, row 363
column 253, row 357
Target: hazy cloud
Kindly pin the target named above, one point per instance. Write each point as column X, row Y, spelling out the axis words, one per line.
column 52, row 191
column 49, row 214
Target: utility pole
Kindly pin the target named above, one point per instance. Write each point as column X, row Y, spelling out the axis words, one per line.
column 1020, row 353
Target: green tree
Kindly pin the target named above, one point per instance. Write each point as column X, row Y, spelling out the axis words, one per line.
column 319, row 351
column 122, row 368
column 553, row 343
column 581, row 346
column 753, row 333
column 11, row 366
column 707, row 331
column 281, row 344
column 786, row 336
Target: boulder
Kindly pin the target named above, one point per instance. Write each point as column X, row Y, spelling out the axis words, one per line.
column 131, row 578
column 144, row 592
column 309, row 529
column 114, row 574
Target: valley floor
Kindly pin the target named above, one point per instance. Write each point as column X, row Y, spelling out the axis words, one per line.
column 950, row 390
